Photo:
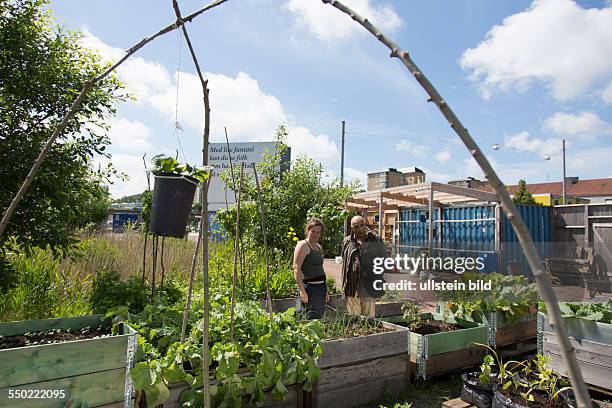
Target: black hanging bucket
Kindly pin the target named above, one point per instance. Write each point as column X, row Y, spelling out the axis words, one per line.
column 171, row 204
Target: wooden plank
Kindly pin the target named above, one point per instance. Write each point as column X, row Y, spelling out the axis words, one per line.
column 361, row 394
column 339, row 377
column 363, row 348
column 587, row 351
column 32, row 364
column 454, row 361
column 28, row 326
column 516, row 333
column 457, row 403
column 93, row 389
column 592, row 373
column 409, row 199
column 582, row 329
column 389, row 309
column 445, row 342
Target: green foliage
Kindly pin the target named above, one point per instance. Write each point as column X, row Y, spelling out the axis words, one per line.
column 40, row 291
column 595, row 312
column 511, row 295
column 339, row 325
column 411, row 314
column 276, row 353
column 291, row 196
column 109, row 292
column 528, row 377
column 330, row 283
column 522, row 196
column 168, row 164
column 147, row 199
column 42, row 69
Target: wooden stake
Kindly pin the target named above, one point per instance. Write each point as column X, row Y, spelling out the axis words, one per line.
column 543, row 281
column 236, row 249
column 265, row 240
column 203, row 235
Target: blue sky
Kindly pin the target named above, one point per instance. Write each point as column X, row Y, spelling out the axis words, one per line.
column 520, row 74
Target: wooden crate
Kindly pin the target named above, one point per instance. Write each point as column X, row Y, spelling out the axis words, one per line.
column 501, row 331
column 360, row 370
column 592, row 342
column 336, row 302
column 445, row 352
column 92, row 371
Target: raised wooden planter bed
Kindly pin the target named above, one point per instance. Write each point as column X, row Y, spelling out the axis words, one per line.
column 335, row 302
column 360, row 370
column 445, row 352
column 91, row 371
column 592, row 342
column 501, row 331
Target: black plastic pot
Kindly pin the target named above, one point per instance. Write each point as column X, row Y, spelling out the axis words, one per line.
column 501, row 401
column 474, row 392
column 171, row 204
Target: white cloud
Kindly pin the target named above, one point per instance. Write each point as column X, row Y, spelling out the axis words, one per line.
column 237, row 103
column 523, row 142
column 319, row 147
column 584, row 123
column 606, row 94
column 556, row 42
column 133, row 167
column 416, row 150
column 443, row 156
column 129, row 135
column 352, row 174
column 329, row 24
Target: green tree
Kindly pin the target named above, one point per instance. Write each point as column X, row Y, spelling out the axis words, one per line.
column 291, row 195
column 522, row 196
column 42, row 69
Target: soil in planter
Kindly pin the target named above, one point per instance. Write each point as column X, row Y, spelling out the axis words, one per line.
column 540, row 400
column 435, row 326
column 53, row 336
column 354, row 330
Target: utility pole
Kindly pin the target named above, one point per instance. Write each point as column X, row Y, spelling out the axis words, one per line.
column 342, row 157
column 564, row 202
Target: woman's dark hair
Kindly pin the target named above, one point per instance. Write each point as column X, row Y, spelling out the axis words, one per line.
column 314, row 222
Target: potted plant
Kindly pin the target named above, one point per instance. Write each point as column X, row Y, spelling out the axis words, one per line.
column 175, row 186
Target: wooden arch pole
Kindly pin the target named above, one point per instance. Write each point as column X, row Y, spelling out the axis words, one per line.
column 78, row 101
column 544, row 283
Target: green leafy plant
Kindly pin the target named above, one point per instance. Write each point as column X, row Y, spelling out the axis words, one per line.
column 168, row 164
column 411, row 314
column 110, row 292
column 264, row 356
column 592, row 311
column 338, row 325
column 513, row 296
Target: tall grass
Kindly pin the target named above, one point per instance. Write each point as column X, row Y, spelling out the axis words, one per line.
column 50, row 287
column 41, row 291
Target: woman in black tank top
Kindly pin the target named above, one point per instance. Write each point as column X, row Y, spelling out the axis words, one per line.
column 308, row 270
